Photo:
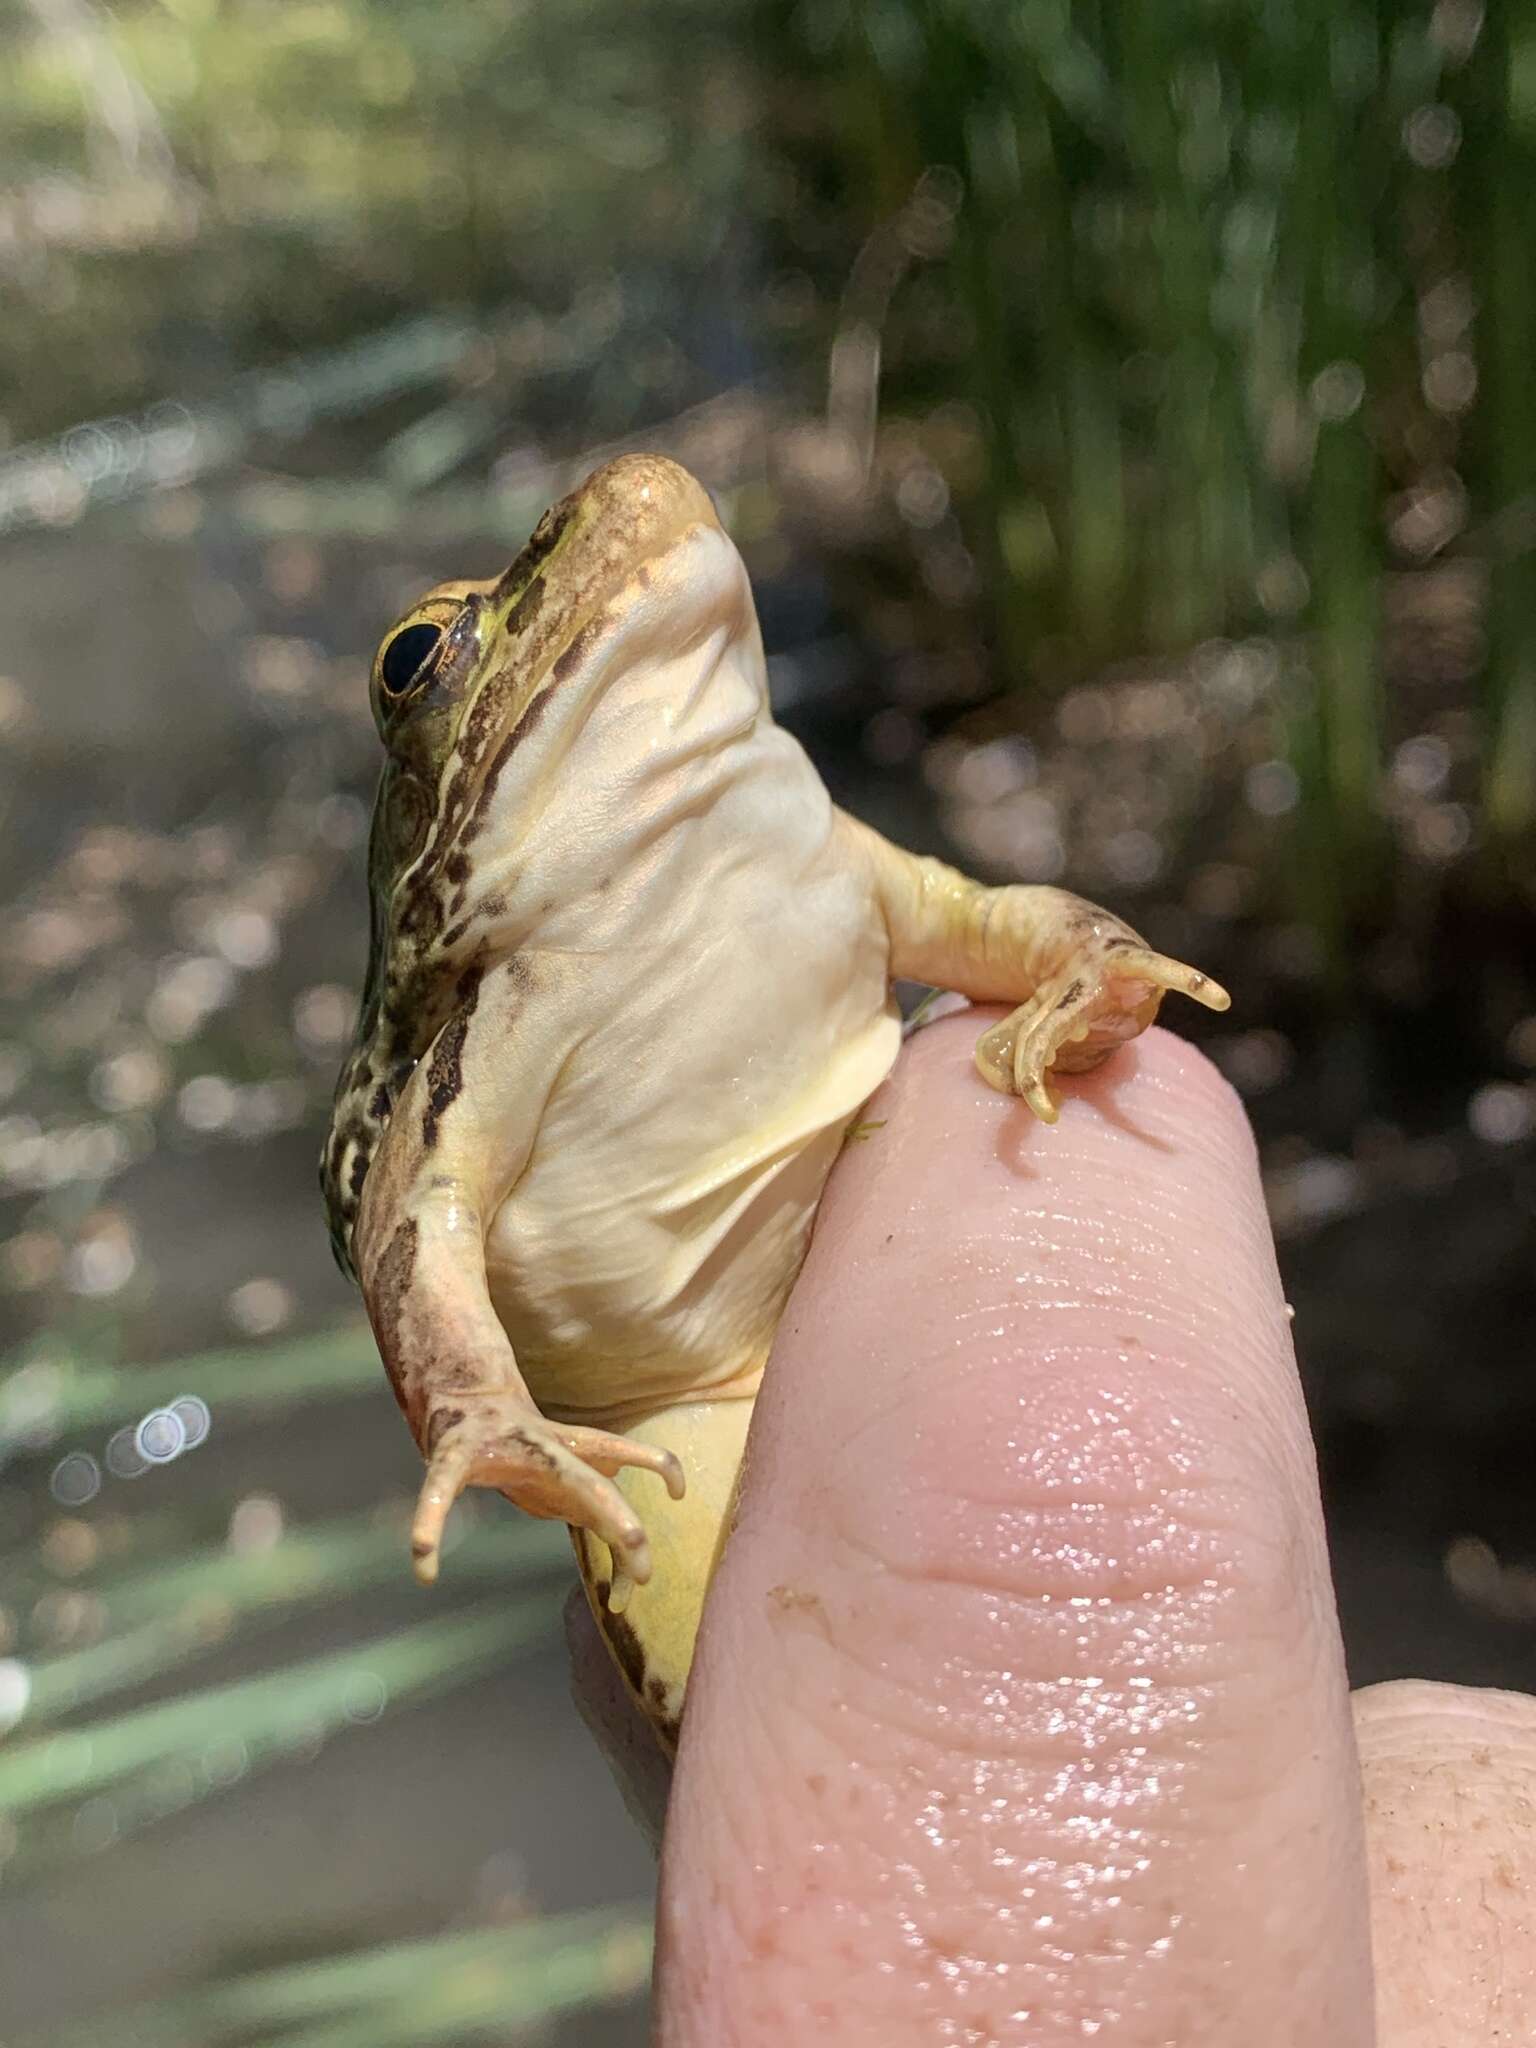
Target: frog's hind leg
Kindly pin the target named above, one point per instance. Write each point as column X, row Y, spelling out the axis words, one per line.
column 651, row 1629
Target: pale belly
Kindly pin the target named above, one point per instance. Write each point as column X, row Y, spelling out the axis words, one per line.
column 646, row 1257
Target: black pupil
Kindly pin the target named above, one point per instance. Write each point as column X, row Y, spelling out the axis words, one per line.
column 405, row 654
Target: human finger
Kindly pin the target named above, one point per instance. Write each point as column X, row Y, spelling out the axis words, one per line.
column 1019, row 1713
column 1450, row 1817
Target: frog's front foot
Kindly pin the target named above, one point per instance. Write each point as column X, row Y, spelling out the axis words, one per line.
column 559, row 1471
column 1107, row 992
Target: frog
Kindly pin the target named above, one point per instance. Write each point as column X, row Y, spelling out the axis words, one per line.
column 629, row 988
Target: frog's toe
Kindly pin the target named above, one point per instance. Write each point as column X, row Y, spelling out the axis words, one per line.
column 608, row 1454
column 994, row 1055
column 1107, row 993
column 1015, row 1055
column 1140, row 965
column 446, row 1476
column 560, row 1472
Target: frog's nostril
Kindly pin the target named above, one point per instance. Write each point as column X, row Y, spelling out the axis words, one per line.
column 405, row 656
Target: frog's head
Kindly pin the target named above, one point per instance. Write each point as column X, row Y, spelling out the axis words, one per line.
column 456, row 676
column 481, row 689
column 510, row 710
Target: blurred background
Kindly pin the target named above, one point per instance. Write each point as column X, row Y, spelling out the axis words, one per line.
column 1127, row 416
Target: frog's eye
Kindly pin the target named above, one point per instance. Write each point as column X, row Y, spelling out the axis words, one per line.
column 406, row 655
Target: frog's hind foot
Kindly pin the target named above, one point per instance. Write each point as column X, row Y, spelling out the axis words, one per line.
column 558, row 1471
column 1108, row 991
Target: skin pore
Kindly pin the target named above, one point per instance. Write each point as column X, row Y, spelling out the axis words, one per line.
column 1019, row 1714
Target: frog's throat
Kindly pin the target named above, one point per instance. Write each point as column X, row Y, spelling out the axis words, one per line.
column 634, row 732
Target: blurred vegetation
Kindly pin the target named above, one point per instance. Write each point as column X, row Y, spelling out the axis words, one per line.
column 458, row 1988
column 1210, row 319
column 1125, row 413
column 1233, row 298
column 333, row 165
column 122, row 1729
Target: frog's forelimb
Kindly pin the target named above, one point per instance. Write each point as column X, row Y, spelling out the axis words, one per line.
column 459, row 1138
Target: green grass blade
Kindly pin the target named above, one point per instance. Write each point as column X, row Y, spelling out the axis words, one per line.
column 267, row 1716
column 441, row 1990
column 45, row 1395
column 159, row 1615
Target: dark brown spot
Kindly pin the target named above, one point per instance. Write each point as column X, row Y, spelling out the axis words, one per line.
column 668, row 1729
column 445, row 1078
column 443, row 1419
column 388, row 1285
column 528, row 723
column 541, row 542
column 456, row 867
column 1069, row 995
column 486, row 708
column 358, row 1174
column 417, row 911
column 624, row 1640
column 535, row 1452
column 518, row 969
column 578, row 650
column 494, row 766
column 512, row 740
column 445, row 1073
column 526, row 610
column 381, row 1105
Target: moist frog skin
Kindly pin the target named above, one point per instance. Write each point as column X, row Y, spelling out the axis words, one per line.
column 629, row 985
